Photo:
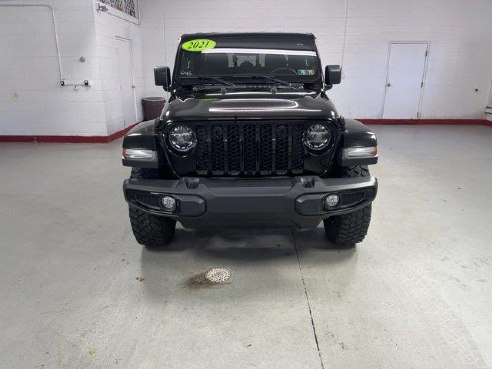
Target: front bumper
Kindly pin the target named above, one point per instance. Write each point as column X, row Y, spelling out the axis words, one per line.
column 286, row 202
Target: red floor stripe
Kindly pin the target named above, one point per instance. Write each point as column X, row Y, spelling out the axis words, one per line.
column 67, row 139
column 461, row 122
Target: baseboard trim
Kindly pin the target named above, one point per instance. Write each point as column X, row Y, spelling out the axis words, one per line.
column 454, row 122
column 67, row 139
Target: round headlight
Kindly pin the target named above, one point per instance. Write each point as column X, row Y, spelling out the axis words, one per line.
column 182, row 138
column 317, row 137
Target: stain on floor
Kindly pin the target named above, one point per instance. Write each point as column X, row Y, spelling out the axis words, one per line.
column 200, row 281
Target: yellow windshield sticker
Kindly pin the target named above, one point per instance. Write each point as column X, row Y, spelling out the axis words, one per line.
column 198, row 45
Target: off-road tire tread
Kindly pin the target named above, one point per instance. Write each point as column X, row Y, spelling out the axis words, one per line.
column 356, row 171
column 149, row 230
column 348, row 229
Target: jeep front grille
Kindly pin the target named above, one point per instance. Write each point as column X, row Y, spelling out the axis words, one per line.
column 249, row 149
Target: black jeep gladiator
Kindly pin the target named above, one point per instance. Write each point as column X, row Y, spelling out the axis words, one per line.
column 248, row 137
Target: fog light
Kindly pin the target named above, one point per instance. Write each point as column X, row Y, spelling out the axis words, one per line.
column 331, row 201
column 169, row 203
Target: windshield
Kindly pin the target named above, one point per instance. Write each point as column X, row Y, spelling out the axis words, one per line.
column 240, row 63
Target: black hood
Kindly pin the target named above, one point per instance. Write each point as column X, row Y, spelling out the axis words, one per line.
column 250, row 105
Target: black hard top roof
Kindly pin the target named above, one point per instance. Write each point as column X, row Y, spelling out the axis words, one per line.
column 274, row 40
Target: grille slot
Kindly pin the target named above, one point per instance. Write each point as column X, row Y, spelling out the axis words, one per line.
column 249, row 149
column 297, row 161
column 266, row 150
column 281, row 149
column 202, row 149
column 250, row 153
column 218, row 150
column 233, row 150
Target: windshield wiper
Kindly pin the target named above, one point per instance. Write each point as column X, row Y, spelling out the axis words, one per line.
column 216, row 79
column 270, row 78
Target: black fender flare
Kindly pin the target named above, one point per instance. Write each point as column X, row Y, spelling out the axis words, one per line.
column 142, row 136
column 357, row 135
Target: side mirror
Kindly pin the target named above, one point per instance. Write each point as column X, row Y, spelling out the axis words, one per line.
column 162, row 77
column 333, row 75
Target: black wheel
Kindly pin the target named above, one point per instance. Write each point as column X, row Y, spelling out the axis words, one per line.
column 149, row 230
column 348, row 229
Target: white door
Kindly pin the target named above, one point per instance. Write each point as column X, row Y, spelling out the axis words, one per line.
column 127, row 84
column 405, row 81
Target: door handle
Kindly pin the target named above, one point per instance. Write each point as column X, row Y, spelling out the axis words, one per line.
column 388, row 85
column 133, row 86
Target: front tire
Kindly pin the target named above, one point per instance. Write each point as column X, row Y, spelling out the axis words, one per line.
column 348, row 229
column 152, row 231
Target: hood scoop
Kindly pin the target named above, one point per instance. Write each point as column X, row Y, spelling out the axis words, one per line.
column 304, row 107
column 240, row 106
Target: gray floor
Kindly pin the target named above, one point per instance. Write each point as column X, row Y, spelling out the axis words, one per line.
column 415, row 294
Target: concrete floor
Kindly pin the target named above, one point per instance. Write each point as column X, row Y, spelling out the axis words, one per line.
column 415, row 294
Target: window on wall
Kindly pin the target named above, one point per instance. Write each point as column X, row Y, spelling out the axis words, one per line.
column 126, row 6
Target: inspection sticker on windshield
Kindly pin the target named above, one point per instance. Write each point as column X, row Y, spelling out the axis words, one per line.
column 305, row 72
column 198, row 45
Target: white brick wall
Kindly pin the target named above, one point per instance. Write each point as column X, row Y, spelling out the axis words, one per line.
column 31, row 100
column 460, row 59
